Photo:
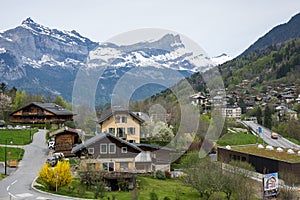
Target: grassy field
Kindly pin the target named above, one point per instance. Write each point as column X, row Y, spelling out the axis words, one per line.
column 238, row 139
column 18, row 137
column 15, row 153
column 171, row 188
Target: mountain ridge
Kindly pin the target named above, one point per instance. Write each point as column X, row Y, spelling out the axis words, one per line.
column 37, row 58
column 280, row 33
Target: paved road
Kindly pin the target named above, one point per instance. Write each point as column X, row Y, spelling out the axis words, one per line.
column 266, row 136
column 18, row 185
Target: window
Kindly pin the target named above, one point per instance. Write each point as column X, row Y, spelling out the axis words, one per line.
column 111, row 130
column 112, row 148
column 124, row 150
column 108, row 166
column 121, row 132
column 131, row 141
column 124, row 119
column 103, row 148
column 117, row 119
column 91, row 150
column 124, row 165
column 131, row 131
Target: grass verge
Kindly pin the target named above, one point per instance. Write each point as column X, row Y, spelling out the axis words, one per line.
column 238, row 139
column 18, row 137
column 12, row 153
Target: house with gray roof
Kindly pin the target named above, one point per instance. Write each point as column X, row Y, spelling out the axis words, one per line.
column 40, row 113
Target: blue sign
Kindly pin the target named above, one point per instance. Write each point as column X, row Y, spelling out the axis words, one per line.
column 259, row 129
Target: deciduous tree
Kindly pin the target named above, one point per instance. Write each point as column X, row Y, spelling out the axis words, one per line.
column 5, row 104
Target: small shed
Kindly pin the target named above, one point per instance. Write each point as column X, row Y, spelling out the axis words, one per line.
column 65, row 139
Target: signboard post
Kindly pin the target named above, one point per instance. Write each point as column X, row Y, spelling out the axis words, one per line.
column 260, row 133
column 270, row 185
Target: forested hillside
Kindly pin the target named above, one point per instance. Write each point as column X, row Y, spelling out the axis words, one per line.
column 277, row 64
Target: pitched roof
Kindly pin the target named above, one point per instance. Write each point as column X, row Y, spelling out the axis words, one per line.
column 63, row 129
column 97, row 138
column 141, row 145
column 109, row 113
column 51, row 107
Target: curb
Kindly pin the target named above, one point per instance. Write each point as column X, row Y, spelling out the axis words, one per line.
column 50, row 194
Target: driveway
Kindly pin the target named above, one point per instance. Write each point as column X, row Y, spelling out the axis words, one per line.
column 18, row 184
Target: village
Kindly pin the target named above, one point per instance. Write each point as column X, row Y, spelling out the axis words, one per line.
column 117, row 150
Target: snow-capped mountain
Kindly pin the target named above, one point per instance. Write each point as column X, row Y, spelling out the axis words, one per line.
column 166, row 52
column 218, row 60
column 36, row 58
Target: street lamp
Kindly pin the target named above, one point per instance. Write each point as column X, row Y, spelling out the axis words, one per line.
column 30, row 134
column 5, row 159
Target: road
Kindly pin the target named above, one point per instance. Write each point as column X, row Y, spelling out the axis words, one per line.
column 18, row 185
column 266, row 136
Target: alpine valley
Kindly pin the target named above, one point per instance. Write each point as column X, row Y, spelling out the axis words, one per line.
column 40, row 60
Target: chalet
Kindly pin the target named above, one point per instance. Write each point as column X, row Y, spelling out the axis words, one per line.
column 123, row 124
column 40, row 113
column 65, row 139
column 198, row 99
column 110, row 153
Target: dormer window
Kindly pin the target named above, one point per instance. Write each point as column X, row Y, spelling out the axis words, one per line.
column 117, row 119
column 124, row 119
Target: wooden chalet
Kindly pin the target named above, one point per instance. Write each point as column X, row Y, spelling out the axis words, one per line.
column 110, row 153
column 65, row 139
column 40, row 113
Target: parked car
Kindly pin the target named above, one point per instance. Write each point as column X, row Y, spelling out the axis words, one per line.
column 52, row 161
column 58, row 156
column 9, row 127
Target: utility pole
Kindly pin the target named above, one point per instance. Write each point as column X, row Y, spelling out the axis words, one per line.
column 56, row 180
column 5, row 156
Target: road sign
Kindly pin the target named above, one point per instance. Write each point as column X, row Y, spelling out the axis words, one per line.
column 259, row 129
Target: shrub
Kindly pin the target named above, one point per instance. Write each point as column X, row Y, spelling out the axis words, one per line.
column 160, row 175
column 59, row 176
column 99, row 190
column 153, row 196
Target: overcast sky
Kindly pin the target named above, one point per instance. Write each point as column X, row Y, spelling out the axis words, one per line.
column 218, row 26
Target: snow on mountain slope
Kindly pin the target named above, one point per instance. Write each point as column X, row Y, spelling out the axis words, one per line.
column 166, row 52
column 218, row 60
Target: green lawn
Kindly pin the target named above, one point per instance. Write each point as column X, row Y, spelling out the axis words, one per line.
column 15, row 153
column 171, row 188
column 18, row 137
column 238, row 139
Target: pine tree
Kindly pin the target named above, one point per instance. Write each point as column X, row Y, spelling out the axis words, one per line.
column 259, row 115
column 268, row 118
